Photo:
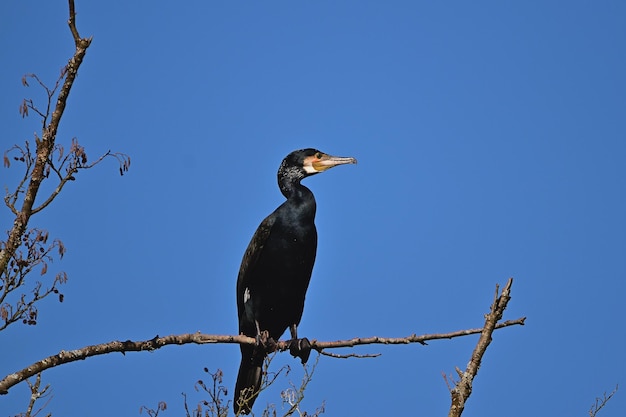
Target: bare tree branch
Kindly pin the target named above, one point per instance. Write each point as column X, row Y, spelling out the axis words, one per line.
column 161, row 406
column 350, row 355
column 601, row 402
column 216, row 405
column 294, row 395
column 36, row 393
column 77, row 160
column 45, row 145
column 35, row 252
column 463, row 388
column 157, row 342
column 24, row 247
column 26, row 157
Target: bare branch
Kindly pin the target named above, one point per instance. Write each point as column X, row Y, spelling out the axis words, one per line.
column 72, row 24
column 25, row 156
column 463, row 388
column 17, row 257
column 77, row 160
column 601, row 402
column 37, row 393
column 161, row 406
column 157, row 342
column 45, row 145
column 35, row 251
column 293, row 396
column 216, row 405
column 350, row 355
column 401, row 340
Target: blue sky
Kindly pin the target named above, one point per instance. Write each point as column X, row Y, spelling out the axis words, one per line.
column 491, row 141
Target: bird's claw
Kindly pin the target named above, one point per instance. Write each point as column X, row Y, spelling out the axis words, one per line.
column 300, row 348
column 265, row 342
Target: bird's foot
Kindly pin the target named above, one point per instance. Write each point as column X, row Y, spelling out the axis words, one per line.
column 265, row 343
column 271, row 345
column 300, row 348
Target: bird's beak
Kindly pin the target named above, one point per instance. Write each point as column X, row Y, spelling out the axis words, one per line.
column 325, row 162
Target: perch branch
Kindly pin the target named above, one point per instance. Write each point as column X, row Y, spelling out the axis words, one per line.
column 157, row 342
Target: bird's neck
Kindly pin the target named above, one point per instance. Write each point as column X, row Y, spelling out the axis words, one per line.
column 291, row 188
column 300, row 198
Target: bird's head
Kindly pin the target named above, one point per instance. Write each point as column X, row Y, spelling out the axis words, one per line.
column 306, row 162
column 311, row 161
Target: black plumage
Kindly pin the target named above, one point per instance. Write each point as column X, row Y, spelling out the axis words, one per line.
column 276, row 269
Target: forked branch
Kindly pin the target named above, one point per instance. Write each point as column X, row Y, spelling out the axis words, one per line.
column 463, row 388
column 601, row 402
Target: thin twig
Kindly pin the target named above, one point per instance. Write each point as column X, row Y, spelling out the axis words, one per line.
column 69, row 176
column 35, row 394
column 350, row 355
column 601, row 402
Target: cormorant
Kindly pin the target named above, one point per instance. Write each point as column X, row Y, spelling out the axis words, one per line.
column 275, row 272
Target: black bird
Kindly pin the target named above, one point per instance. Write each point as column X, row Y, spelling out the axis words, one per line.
column 276, row 269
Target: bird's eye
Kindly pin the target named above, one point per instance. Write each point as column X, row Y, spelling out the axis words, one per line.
column 318, row 155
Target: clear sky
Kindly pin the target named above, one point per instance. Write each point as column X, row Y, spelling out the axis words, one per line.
column 491, row 140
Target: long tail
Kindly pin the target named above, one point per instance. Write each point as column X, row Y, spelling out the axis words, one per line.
column 248, row 380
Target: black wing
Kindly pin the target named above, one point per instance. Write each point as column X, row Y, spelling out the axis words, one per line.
column 250, row 258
